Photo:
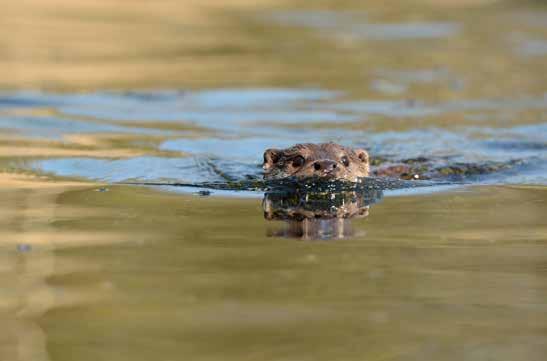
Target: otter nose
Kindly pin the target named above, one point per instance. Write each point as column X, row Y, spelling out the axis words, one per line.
column 326, row 166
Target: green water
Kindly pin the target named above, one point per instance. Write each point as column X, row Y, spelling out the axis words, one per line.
column 97, row 93
column 135, row 274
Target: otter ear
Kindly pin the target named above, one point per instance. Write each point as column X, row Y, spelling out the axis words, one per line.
column 362, row 155
column 271, row 156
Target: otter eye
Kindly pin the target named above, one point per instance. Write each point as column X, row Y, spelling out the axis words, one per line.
column 298, row 161
column 345, row 161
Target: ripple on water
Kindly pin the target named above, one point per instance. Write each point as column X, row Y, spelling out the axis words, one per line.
column 532, row 48
column 415, row 109
column 187, row 170
column 55, row 128
column 245, row 122
column 210, row 107
column 356, row 25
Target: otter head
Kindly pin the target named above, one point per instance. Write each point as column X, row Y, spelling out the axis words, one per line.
column 327, row 160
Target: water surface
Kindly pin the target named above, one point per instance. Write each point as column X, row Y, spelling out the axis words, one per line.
column 96, row 95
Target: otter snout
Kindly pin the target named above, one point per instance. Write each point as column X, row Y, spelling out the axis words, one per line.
column 326, row 166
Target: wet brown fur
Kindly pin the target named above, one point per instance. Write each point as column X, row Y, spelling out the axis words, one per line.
column 325, row 160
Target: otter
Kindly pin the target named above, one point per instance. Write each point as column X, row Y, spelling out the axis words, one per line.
column 325, row 160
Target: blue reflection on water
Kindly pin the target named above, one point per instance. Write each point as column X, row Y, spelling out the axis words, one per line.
column 357, row 25
column 242, row 123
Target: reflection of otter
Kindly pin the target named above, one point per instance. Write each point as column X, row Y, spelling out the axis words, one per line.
column 317, row 215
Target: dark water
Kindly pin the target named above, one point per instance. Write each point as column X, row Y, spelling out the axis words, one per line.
column 96, row 96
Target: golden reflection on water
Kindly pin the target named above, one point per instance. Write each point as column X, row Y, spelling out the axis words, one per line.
column 133, row 274
column 28, row 261
column 62, row 44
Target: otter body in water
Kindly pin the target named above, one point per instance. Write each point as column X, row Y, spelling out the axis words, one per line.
column 325, row 160
column 334, row 161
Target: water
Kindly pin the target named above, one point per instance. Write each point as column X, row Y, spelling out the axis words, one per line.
column 221, row 134
column 226, row 267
